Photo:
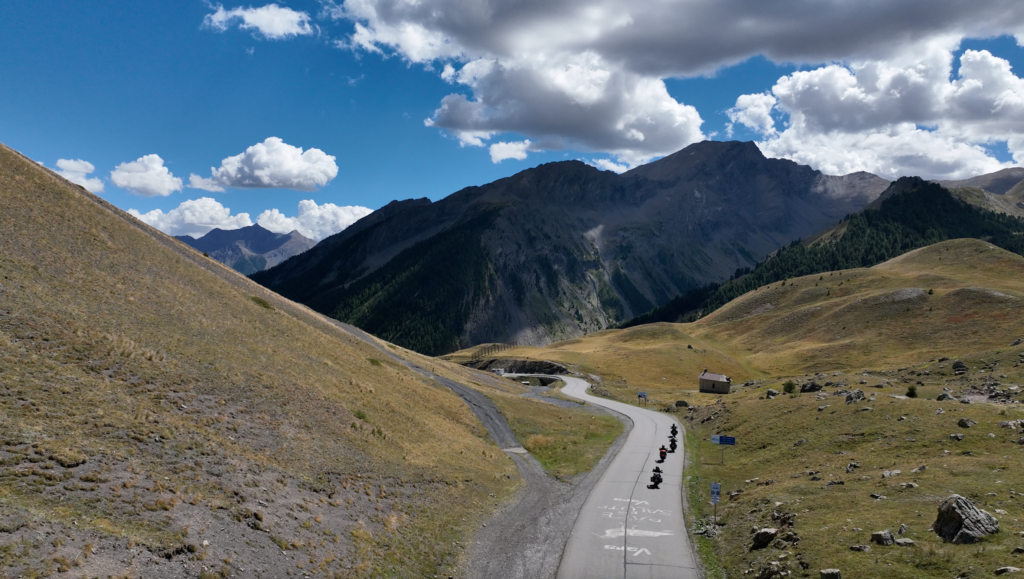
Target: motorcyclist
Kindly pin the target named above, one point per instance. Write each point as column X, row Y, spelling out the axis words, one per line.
column 672, row 445
column 656, row 478
column 663, row 451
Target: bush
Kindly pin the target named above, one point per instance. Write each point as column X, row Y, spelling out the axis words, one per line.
column 789, row 387
column 911, row 391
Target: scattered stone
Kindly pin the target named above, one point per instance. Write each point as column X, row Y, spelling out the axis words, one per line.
column 878, row 497
column 890, row 473
column 959, row 368
column 830, row 574
column 1005, row 570
column 909, row 485
column 960, row 522
column 957, row 437
column 865, row 409
column 861, row 548
column 811, row 386
column 965, row 401
column 1020, row 440
column 852, row 466
column 834, row 482
column 945, row 396
column 1011, row 424
column 820, row 408
column 863, row 381
column 801, row 442
column 1017, row 342
column 921, row 468
column 905, row 542
column 965, row 423
column 1018, row 550
column 940, row 411
column 883, row 538
column 1001, row 512
column 854, row 396
column 764, row 537
column 903, row 530
column 901, row 419
column 944, row 359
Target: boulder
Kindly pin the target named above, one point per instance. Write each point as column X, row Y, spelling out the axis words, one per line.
column 811, row 386
column 965, row 423
column 1005, row 570
column 830, row 574
column 957, row 437
column 820, row 408
column 905, row 542
column 764, row 537
column 945, row 396
column 883, row 538
column 861, row 548
column 682, row 403
column 960, row 522
column 854, row 396
column 772, row 392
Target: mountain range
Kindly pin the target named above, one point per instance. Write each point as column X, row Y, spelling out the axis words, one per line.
column 249, row 249
column 564, row 249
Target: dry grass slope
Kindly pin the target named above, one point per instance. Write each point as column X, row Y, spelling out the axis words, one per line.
column 882, row 330
column 151, row 410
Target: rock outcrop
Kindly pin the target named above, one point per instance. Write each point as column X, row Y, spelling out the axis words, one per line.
column 960, row 522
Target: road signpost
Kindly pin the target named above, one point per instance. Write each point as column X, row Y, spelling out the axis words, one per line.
column 641, row 396
column 723, row 441
column 716, row 493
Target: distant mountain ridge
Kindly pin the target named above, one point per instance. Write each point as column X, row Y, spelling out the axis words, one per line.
column 564, row 249
column 910, row 214
column 249, row 249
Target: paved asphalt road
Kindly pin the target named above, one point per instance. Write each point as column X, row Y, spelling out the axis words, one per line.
column 625, row 529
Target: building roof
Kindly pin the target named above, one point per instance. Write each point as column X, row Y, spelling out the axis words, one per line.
column 716, row 377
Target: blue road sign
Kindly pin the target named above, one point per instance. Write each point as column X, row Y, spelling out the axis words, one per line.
column 729, row 440
column 642, row 395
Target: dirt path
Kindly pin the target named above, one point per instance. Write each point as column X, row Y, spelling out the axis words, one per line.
column 526, row 539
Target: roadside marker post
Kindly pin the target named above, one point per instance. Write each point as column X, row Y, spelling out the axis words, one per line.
column 723, row 441
column 716, row 493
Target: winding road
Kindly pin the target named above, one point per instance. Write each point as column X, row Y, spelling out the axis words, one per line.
column 626, row 529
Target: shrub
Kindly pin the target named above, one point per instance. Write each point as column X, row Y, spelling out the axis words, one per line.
column 789, row 387
column 912, row 391
column 261, row 302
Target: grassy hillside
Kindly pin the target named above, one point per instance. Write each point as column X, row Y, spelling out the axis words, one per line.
column 951, row 298
column 161, row 414
column 911, row 214
column 883, row 330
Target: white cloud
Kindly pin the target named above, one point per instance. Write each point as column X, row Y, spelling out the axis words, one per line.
column 905, row 115
column 272, row 164
column 197, row 182
column 754, row 111
column 314, row 221
column 608, row 165
column 76, row 171
column 195, row 217
column 588, row 74
column 146, row 176
column 271, row 21
column 514, row 150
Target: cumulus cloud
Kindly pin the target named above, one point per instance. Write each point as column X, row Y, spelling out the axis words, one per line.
column 195, row 217
column 271, row 21
column 146, row 176
column 77, row 171
column 272, row 164
column 908, row 114
column 589, row 74
column 514, row 150
column 607, row 165
column 314, row 221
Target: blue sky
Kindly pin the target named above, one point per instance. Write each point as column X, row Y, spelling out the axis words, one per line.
column 111, row 82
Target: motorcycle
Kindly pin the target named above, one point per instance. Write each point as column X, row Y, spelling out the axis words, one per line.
column 663, row 453
column 674, row 430
column 672, row 445
column 655, row 479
